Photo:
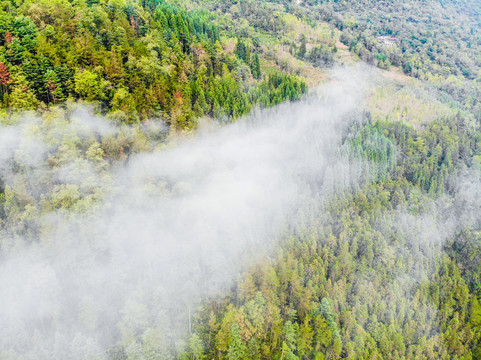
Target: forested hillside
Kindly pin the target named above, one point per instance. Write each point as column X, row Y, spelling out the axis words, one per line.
column 134, row 60
column 436, row 41
column 242, row 179
column 383, row 273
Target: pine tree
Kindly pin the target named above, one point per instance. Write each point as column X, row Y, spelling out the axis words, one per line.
column 256, row 67
column 241, row 50
column 302, row 49
column 475, row 313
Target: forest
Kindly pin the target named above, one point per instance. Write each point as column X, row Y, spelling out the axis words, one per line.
column 437, row 41
column 134, row 61
column 242, row 179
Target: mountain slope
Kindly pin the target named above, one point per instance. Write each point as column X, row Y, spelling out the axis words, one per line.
column 155, row 60
column 344, row 225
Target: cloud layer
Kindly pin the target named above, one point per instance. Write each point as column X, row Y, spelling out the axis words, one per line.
column 163, row 230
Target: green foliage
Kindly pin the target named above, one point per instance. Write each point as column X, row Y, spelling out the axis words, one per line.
column 242, row 50
column 429, row 40
column 278, row 87
column 347, row 285
column 364, row 279
column 302, row 48
column 90, row 86
column 322, row 55
column 256, row 67
column 237, row 348
column 154, row 60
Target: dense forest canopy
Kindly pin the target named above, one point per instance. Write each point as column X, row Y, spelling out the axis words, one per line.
column 135, row 60
column 437, row 41
column 171, row 189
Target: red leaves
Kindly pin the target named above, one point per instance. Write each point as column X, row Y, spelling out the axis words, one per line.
column 4, row 75
column 8, row 37
column 133, row 23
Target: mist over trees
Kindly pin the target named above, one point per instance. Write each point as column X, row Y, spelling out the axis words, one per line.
column 189, row 179
column 377, row 275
